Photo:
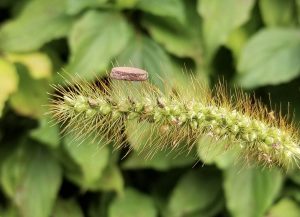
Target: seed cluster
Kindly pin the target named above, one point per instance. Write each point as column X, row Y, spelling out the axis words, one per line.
column 192, row 119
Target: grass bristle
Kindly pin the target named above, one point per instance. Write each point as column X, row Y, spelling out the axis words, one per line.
column 120, row 111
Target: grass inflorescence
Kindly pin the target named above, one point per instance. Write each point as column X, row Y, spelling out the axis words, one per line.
column 104, row 110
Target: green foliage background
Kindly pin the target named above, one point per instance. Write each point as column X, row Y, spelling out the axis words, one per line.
column 251, row 43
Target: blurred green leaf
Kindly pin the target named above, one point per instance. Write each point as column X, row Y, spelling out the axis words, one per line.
column 277, row 12
column 162, row 160
column 76, row 6
column 98, row 207
column 292, row 191
column 294, row 176
column 111, row 179
column 9, row 211
column 298, row 9
column 181, row 39
column 220, row 18
column 143, row 156
column 132, row 204
column 31, row 177
column 91, row 158
column 211, row 151
column 125, row 3
column 37, row 24
column 67, row 208
column 166, row 8
column 145, row 53
column 270, row 57
column 95, row 40
column 285, row 208
column 211, row 210
column 38, row 64
column 46, row 133
column 237, row 40
column 8, row 81
column 195, row 191
column 31, row 96
column 250, row 191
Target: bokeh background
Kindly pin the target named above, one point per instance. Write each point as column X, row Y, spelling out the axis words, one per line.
column 254, row 44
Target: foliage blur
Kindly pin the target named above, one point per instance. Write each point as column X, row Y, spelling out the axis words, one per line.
column 254, row 44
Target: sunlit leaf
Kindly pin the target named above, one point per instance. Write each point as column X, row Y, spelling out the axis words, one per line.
column 285, row 208
column 8, row 81
column 38, row 64
column 31, row 97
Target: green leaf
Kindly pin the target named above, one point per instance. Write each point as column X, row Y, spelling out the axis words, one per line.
column 220, row 18
column 145, row 53
column 270, row 57
column 46, row 133
column 285, row 208
column 145, row 156
column 68, row 208
column 125, row 4
column 162, row 160
column 181, row 39
column 98, row 206
column 294, row 175
column 38, row 64
column 91, row 158
column 166, row 8
column 111, row 179
column 31, row 178
column 250, row 191
column 210, row 211
column 31, row 95
column 76, row 6
column 132, row 204
column 95, row 40
column 8, row 81
column 197, row 190
column 9, row 211
column 298, row 9
column 277, row 12
column 214, row 152
column 36, row 25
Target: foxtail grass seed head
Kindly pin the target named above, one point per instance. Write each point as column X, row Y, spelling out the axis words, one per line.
column 175, row 117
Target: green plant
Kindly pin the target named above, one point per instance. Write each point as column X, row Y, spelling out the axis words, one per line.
column 252, row 44
column 176, row 117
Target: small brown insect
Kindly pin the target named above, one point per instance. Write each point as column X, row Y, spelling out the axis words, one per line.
column 129, row 74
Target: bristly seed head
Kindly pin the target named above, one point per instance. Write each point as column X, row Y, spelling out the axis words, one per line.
column 177, row 118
